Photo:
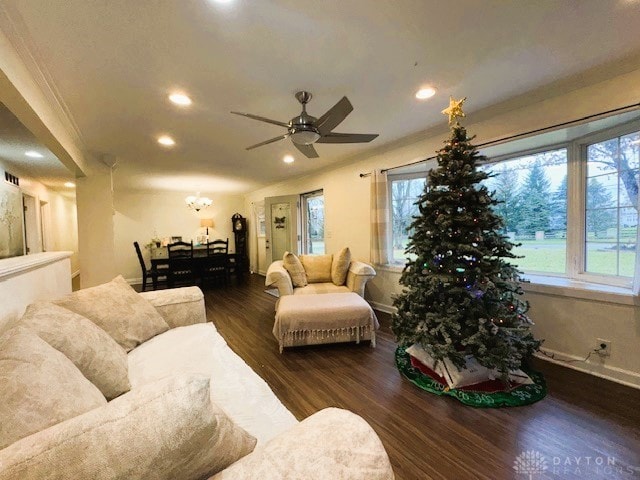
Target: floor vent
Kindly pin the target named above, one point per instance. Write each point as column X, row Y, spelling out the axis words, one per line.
column 12, row 179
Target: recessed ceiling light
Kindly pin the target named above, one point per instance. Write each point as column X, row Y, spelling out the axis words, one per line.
column 426, row 92
column 166, row 140
column 33, row 154
column 180, row 99
column 288, row 159
column 69, row 184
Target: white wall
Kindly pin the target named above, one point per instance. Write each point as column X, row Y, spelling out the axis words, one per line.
column 96, row 229
column 570, row 326
column 62, row 233
column 25, row 279
column 139, row 216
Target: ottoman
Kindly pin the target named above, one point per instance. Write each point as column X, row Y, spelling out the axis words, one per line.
column 324, row 318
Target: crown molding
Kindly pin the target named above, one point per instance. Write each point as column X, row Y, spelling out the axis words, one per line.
column 15, row 29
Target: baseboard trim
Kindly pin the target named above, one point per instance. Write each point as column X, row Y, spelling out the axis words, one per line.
column 134, row 281
column 614, row 374
column 382, row 307
column 75, row 274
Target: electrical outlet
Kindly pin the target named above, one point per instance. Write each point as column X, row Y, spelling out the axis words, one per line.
column 603, row 346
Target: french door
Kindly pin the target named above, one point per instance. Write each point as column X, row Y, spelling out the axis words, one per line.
column 281, row 215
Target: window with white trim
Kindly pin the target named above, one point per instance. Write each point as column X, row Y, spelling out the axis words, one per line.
column 532, row 190
column 611, row 214
column 573, row 207
column 404, row 190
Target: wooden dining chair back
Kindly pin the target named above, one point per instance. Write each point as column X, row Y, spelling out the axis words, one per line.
column 146, row 274
column 156, row 276
column 217, row 264
column 181, row 266
column 218, row 246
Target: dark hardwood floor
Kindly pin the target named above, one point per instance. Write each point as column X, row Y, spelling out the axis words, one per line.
column 582, row 422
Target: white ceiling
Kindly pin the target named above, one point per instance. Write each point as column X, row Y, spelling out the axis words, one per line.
column 15, row 140
column 112, row 64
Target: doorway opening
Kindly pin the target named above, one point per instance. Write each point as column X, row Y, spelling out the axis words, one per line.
column 32, row 243
column 313, row 222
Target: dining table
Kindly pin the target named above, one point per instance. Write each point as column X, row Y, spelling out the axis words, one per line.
column 160, row 260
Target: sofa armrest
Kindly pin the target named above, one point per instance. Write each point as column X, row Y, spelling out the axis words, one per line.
column 332, row 443
column 178, row 306
column 277, row 276
column 358, row 275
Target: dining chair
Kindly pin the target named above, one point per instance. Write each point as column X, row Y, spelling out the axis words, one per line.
column 149, row 274
column 216, row 266
column 181, row 265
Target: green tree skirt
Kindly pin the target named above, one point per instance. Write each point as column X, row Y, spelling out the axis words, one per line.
column 524, row 395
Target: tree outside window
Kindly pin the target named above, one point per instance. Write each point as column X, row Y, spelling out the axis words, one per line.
column 532, row 191
column 611, row 218
column 404, row 194
column 313, row 218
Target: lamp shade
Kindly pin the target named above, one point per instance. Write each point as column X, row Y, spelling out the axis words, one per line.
column 206, row 222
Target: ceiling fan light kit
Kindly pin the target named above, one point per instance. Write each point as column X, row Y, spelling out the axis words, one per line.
column 304, row 137
column 305, row 130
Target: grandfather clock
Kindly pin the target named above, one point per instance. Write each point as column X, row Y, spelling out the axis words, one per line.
column 239, row 226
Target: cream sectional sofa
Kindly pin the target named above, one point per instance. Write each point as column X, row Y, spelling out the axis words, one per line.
column 192, row 403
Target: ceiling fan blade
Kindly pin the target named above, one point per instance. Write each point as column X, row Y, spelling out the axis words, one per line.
column 262, row 119
column 266, row 142
column 347, row 137
column 334, row 116
column 308, row 150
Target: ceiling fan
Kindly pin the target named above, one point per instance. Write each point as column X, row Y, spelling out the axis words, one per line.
column 306, row 130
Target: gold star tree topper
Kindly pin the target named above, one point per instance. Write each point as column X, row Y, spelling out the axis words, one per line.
column 454, row 110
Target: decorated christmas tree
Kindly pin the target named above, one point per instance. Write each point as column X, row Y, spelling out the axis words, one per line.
column 461, row 295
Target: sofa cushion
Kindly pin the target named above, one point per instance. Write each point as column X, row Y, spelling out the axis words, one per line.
column 100, row 359
column 296, row 271
column 340, row 266
column 325, row 287
column 178, row 306
column 332, row 443
column 39, row 386
column 235, row 387
column 166, row 430
column 118, row 310
column 317, row 267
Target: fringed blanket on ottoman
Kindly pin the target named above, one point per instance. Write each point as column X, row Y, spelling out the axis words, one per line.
column 324, row 318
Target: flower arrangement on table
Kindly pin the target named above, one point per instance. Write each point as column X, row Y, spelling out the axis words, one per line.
column 155, row 242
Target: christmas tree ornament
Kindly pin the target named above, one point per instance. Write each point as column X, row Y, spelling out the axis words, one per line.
column 454, row 111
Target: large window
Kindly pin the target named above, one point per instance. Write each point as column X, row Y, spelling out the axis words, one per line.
column 572, row 208
column 313, row 222
column 532, row 190
column 404, row 191
column 611, row 219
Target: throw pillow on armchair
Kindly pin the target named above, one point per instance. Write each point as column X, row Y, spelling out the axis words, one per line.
column 296, row 271
column 340, row 266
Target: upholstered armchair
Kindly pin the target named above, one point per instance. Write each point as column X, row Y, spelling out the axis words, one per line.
column 357, row 276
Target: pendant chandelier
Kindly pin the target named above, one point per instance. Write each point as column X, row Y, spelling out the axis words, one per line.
column 197, row 203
